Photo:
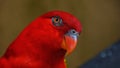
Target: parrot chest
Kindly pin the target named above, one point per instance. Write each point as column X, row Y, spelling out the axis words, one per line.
column 25, row 62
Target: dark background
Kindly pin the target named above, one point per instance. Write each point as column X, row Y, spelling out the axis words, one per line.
column 100, row 20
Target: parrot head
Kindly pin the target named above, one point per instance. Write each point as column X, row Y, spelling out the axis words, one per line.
column 64, row 27
column 54, row 32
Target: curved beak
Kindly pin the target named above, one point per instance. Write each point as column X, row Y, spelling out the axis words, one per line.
column 69, row 42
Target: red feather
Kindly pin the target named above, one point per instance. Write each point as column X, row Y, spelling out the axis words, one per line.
column 39, row 44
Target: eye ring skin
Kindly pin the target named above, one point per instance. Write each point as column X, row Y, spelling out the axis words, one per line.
column 57, row 21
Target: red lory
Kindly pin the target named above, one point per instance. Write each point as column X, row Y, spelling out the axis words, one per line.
column 44, row 43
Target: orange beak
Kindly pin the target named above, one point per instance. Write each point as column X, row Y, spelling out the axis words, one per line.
column 69, row 43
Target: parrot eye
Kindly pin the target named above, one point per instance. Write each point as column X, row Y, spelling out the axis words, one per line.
column 57, row 21
column 74, row 32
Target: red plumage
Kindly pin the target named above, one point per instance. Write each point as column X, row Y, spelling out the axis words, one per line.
column 39, row 45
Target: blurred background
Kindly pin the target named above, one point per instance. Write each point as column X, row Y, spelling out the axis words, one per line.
column 100, row 20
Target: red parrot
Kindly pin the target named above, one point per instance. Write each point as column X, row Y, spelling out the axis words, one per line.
column 44, row 43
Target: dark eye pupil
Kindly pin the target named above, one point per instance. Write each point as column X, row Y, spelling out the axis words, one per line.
column 73, row 31
column 56, row 19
